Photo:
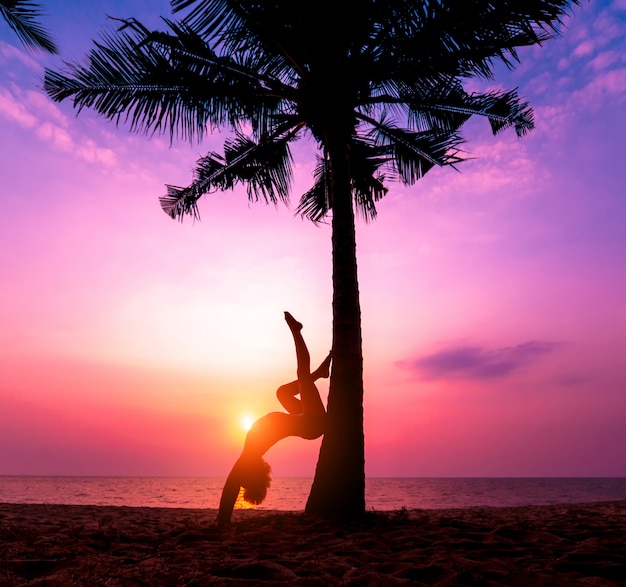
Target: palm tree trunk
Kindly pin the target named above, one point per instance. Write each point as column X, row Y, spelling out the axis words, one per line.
column 338, row 489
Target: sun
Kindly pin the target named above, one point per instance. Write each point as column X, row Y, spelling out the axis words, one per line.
column 246, row 421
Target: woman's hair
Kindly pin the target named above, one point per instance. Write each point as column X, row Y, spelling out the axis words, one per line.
column 255, row 481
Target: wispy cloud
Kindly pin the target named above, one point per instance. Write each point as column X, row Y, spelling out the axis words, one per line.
column 34, row 112
column 585, row 48
column 476, row 362
column 10, row 53
column 604, row 60
column 606, row 87
column 610, row 84
column 498, row 166
column 14, row 110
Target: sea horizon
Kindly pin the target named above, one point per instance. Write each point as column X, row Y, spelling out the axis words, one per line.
column 290, row 493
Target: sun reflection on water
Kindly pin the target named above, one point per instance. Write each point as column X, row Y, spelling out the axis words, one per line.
column 241, row 503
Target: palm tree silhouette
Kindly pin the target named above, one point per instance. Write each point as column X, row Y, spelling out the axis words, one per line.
column 21, row 16
column 379, row 87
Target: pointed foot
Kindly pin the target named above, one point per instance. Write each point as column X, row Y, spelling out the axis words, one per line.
column 292, row 322
column 323, row 371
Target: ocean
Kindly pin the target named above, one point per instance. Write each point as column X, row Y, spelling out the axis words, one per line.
column 291, row 493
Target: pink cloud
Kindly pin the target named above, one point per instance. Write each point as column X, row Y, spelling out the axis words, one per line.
column 44, row 107
column 555, row 119
column 12, row 109
column 57, row 136
column 607, row 85
column 606, row 28
column 562, row 64
column 496, row 165
column 604, row 60
column 90, row 152
column 10, row 53
column 584, row 49
column 34, row 111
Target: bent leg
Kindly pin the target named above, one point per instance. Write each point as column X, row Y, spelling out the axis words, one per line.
column 309, row 394
column 286, row 396
column 286, row 393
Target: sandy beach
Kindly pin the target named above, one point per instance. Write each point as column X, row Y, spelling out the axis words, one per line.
column 558, row 545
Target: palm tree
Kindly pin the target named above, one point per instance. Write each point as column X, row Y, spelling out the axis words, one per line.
column 379, row 87
column 21, row 16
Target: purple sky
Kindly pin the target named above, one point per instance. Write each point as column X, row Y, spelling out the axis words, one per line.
column 493, row 298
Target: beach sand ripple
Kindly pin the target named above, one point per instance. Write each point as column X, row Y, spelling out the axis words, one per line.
column 537, row 546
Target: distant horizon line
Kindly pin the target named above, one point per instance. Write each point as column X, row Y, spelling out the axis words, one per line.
column 75, row 476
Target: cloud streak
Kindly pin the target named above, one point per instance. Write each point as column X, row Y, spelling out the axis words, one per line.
column 36, row 113
column 475, row 362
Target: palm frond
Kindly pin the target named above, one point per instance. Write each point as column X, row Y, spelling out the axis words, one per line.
column 504, row 110
column 263, row 166
column 315, row 203
column 446, row 106
column 429, row 103
column 412, row 154
column 209, row 16
column 23, row 17
column 245, row 65
column 180, row 202
column 460, row 38
column 450, row 107
column 159, row 82
column 368, row 184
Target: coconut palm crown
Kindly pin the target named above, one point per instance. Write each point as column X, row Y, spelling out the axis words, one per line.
column 379, row 86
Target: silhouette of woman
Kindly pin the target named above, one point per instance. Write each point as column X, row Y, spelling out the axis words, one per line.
column 305, row 418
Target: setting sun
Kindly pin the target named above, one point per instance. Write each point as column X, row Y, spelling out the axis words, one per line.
column 246, row 422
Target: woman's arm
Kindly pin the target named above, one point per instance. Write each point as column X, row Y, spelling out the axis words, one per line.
column 228, row 499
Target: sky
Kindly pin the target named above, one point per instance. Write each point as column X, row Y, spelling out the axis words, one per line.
column 493, row 296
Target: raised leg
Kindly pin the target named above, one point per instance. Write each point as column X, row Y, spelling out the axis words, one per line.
column 309, row 394
column 302, row 352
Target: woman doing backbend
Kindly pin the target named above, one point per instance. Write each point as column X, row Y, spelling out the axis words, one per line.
column 305, row 418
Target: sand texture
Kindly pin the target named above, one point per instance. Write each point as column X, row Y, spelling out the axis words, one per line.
column 559, row 545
